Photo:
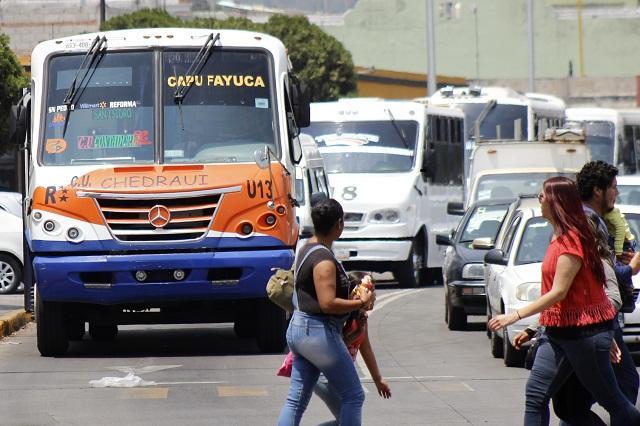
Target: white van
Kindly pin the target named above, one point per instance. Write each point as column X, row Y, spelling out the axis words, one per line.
column 506, row 169
column 311, row 183
column 394, row 166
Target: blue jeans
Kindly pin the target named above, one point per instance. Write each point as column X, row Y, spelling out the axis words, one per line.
column 572, row 404
column 330, row 396
column 588, row 357
column 317, row 345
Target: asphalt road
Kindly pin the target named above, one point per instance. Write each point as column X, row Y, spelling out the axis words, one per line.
column 204, row 375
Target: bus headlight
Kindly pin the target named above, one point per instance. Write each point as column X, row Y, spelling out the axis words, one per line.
column 473, row 271
column 385, row 216
column 528, row 292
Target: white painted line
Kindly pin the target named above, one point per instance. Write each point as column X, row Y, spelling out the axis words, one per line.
column 141, row 370
column 191, row 383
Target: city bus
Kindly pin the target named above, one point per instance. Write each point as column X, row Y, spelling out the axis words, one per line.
column 500, row 113
column 159, row 184
column 393, row 165
column 630, row 151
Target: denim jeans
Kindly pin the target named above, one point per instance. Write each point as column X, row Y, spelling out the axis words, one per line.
column 329, row 395
column 317, row 345
column 572, row 404
column 588, row 357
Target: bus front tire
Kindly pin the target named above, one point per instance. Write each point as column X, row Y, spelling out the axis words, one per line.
column 412, row 272
column 271, row 327
column 52, row 337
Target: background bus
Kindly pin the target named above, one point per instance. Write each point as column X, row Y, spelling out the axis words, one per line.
column 393, row 165
column 603, row 133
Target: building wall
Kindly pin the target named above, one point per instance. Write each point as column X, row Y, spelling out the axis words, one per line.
column 488, row 39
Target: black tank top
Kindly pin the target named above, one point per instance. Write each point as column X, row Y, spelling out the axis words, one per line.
column 305, row 288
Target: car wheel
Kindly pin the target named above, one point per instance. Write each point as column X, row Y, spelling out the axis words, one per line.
column 512, row 356
column 51, row 328
column 103, row 332
column 411, row 273
column 446, row 305
column 457, row 318
column 496, row 346
column 10, row 274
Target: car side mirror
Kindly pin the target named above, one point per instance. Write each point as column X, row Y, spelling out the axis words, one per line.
column 443, row 240
column 455, row 208
column 495, row 257
column 483, row 243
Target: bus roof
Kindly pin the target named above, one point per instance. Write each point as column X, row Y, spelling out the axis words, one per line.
column 592, row 114
column 150, row 37
column 468, row 94
column 368, row 109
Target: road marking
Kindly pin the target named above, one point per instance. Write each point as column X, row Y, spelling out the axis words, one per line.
column 443, row 386
column 386, row 299
column 192, row 383
column 143, row 393
column 224, row 391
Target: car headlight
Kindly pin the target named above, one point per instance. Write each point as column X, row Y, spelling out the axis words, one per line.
column 528, row 292
column 473, row 271
column 385, row 216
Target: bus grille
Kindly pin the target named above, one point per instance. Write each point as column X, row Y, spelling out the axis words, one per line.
column 128, row 219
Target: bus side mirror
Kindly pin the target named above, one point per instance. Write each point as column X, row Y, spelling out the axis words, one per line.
column 300, row 102
column 19, row 119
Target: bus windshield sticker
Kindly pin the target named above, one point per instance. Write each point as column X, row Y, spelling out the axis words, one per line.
column 57, row 120
column 112, row 114
column 262, row 103
column 216, row 80
column 55, row 146
column 138, row 139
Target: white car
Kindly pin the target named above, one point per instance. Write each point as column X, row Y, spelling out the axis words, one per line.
column 513, row 272
column 10, row 252
column 631, row 327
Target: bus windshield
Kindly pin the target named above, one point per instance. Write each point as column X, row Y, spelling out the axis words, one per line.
column 112, row 119
column 227, row 114
column 500, row 115
column 366, row 146
column 600, row 138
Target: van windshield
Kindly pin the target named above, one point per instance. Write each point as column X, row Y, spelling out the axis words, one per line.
column 600, row 138
column 500, row 115
column 366, row 146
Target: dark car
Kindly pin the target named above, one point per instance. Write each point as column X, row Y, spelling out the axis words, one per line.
column 463, row 268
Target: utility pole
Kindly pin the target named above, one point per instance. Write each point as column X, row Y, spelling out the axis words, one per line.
column 431, row 51
column 103, row 11
column 580, row 43
column 532, row 67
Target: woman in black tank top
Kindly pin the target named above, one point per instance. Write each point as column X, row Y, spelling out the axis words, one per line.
column 315, row 331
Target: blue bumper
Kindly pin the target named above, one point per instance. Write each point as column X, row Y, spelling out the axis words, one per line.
column 73, row 278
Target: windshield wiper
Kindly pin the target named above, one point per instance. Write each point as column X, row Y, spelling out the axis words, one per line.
column 196, row 66
column 483, row 114
column 86, row 64
column 398, row 129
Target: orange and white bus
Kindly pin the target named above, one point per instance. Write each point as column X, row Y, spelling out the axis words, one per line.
column 159, row 184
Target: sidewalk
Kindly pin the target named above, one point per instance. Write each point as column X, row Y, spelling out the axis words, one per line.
column 12, row 314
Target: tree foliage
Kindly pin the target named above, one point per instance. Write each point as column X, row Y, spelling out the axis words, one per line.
column 12, row 80
column 318, row 58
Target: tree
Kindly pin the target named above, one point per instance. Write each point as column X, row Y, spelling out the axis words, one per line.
column 143, row 18
column 12, row 80
column 318, row 58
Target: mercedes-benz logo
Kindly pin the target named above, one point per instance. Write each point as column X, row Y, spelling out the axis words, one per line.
column 159, row 216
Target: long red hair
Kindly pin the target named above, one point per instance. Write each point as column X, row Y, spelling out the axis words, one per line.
column 567, row 214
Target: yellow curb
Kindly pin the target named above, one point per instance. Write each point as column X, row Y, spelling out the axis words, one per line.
column 13, row 321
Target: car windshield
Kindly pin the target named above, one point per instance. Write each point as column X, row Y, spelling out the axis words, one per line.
column 366, row 146
column 483, row 222
column 534, row 242
column 112, row 119
column 510, row 185
column 228, row 112
column 500, row 115
column 628, row 194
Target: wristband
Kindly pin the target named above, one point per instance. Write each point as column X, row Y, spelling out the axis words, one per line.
column 518, row 314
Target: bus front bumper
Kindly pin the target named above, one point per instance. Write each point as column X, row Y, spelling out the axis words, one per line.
column 117, row 279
